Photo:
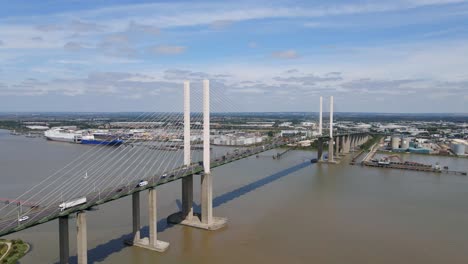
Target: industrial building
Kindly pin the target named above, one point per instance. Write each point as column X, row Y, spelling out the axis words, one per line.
column 459, row 147
column 238, row 139
column 395, row 142
column 406, row 144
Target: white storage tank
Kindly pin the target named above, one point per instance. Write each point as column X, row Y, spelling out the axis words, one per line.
column 404, row 143
column 458, row 149
column 395, row 142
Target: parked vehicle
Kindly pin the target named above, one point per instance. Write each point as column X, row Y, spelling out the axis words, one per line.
column 65, row 205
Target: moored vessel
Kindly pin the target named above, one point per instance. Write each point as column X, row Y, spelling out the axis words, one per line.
column 63, row 134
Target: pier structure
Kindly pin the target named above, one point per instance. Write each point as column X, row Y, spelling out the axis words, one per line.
column 339, row 144
column 205, row 219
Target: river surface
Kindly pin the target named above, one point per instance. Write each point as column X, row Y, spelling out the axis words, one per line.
column 279, row 211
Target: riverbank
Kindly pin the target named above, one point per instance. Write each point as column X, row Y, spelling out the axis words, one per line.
column 12, row 250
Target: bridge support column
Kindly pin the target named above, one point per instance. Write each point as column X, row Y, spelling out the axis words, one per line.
column 341, row 145
column 82, row 238
column 152, row 242
column 135, row 220
column 136, row 216
column 330, row 150
column 320, row 149
column 346, row 144
column 187, row 198
column 64, row 242
column 207, row 199
column 337, row 147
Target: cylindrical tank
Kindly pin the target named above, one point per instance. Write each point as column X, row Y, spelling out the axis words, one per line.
column 458, row 149
column 404, row 143
column 395, row 142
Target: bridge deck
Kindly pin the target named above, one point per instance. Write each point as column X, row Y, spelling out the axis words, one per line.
column 93, row 199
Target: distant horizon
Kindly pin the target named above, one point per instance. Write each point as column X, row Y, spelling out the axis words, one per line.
column 241, row 112
column 383, row 56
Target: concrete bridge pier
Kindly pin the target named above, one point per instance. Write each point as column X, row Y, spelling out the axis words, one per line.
column 136, row 217
column 353, row 143
column 136, row 226
column 154, row 243
column 337, row 147
column 330, row 150
column 341, row 146
column 64, row 242
column 320, row 149
column 82, row 238
column 151, row 242
column 187, row 198
column 345, row 145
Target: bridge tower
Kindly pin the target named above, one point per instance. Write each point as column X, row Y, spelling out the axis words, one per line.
column 320, row 116
column 205, row 220
column 187, row 182
column 330, row 143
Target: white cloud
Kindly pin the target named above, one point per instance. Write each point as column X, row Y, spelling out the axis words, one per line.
column 168, row 49
column 285, row 54
column 149, row 29
column 221, row 24
column 73, row 46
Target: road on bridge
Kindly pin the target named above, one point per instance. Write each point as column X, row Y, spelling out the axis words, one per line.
column 43, row 215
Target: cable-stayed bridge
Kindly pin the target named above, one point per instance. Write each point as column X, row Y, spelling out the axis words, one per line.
column 104, row 175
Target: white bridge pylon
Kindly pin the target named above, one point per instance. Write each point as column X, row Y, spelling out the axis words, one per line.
column 204, row 219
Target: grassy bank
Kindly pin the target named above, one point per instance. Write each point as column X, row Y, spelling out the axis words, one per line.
column 369, row 143
column 17, row 250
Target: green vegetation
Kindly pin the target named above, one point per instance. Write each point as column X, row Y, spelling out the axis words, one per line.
column 10, row 125
column 3, row 249
column 366, row 146
column 17, row 250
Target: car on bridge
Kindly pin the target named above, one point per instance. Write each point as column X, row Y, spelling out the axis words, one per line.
column 142, row 183
column 23, row 218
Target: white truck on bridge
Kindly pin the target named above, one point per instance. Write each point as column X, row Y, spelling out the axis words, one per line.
column 65, row 205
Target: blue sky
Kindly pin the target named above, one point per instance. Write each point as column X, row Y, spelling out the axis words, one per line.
column 373, row 56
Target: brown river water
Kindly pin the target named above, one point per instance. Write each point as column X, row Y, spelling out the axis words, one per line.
column 279, row 211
